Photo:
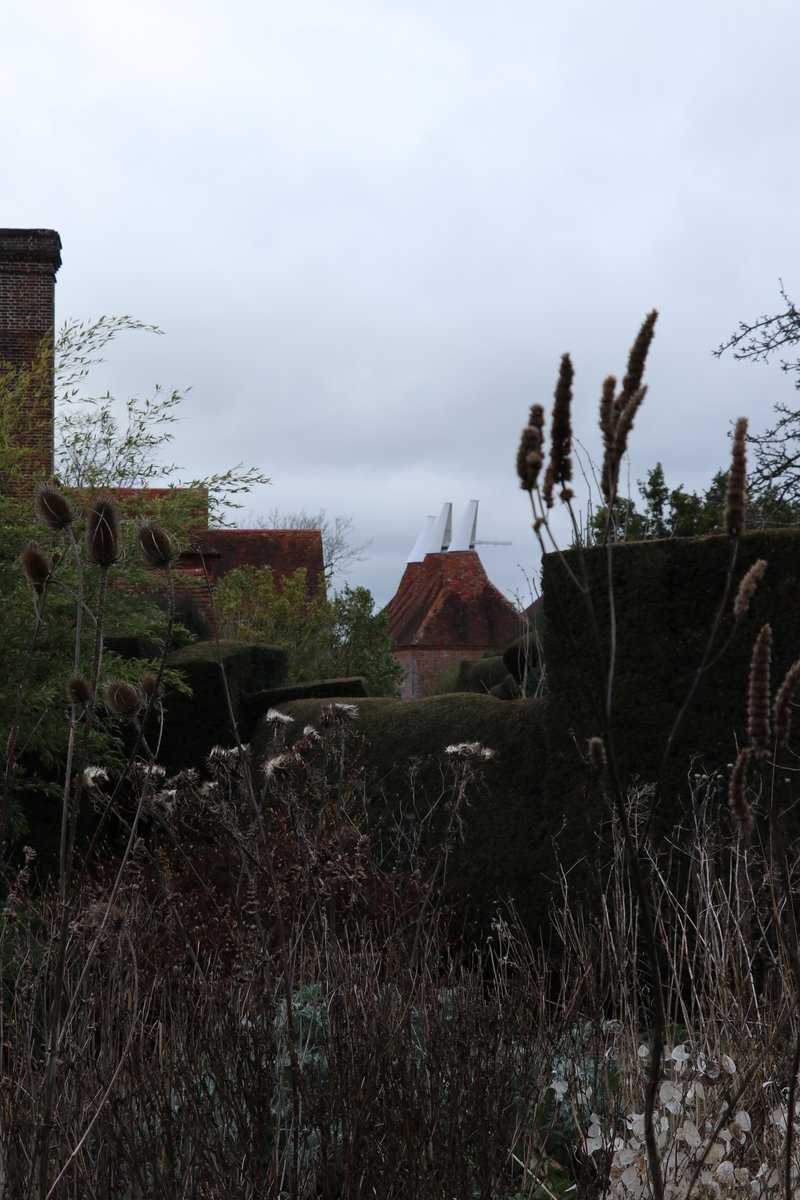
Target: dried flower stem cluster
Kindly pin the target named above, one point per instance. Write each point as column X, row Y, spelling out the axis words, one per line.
column 617, row 412
column 768, row 727
column 736, row 495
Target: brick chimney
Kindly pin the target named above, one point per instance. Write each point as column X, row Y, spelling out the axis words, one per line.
column 29, row 259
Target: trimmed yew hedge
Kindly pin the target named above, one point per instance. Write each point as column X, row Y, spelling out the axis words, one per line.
column 666, row 595
column 507, row 846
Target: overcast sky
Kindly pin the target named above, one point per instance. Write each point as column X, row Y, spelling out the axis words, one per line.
column 369, row 229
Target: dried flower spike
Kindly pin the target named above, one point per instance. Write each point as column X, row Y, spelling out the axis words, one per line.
column 156, row 545
column 736, row 495
column 737, row 796
column 608, row 425
column 78, row 690
column 783, row 703
column 559, row 469
column 103, row 534
column 122, row 698
column 625, row 425
column 637, row 359
column 529, row 454
column 37, row 568
column 53, row 509
column 747, row 587
column 149, row 686
column 758, row 688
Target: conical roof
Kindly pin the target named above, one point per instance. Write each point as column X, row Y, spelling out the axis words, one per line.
column 448, row 602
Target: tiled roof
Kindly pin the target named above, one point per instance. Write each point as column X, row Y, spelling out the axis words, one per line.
column 284, row 550
column 448, row 602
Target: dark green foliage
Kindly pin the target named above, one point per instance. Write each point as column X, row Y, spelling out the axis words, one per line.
column 197, row 722
column 675, row 512
column 480, row 674
column 507, row 828
column 506, row 689
column 666, row 595
column 259, row 703
column 325, row 638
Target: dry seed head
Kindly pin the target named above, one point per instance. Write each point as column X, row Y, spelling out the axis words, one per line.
column 783, row 704
column 758, row 687
column 156, row 545
column 36, row 566
column 122, row 698
column 736, row 496
column 536, row 417
column 747, row 588
column 78, row 690
column 529, row 457
column 53, row 509
column 547, row 489
column 737, row 795
column 637, row 359
column 149, row 686
column 597, row 754
column 560, row 468
column 624, row 426
column 103, row 534
column 608, row 425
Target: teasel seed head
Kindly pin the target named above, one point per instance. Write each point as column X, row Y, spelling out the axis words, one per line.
column 150, row 686
column 78, row 690
column 156, row 545
column 758, row 689
column 597, row 755
column 122, row 698
column 783, row 704
column 747, row 587
column 737, row 794
column 53, row 508
column 736, row 496
column 36, row 566
column 560, row 467
column 103, row 534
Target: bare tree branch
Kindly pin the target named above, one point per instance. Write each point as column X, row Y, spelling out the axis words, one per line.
column 338, row 551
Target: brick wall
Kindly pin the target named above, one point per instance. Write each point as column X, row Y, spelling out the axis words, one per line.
column 29, row 259
column 422, row 666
